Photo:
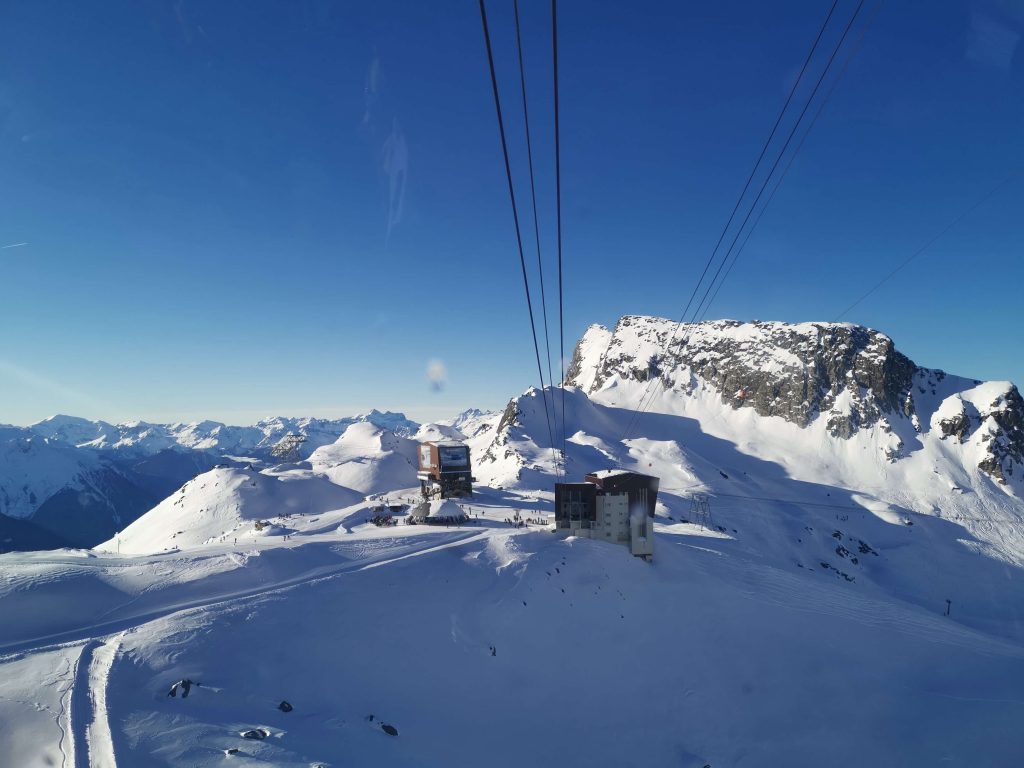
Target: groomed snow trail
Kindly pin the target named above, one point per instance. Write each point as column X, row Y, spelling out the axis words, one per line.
column 98, row 733
column 81, row 712
column 322, row 572
column 87, row 739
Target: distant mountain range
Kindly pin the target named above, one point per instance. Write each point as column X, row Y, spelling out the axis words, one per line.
column 72, row 481
column 833, row 404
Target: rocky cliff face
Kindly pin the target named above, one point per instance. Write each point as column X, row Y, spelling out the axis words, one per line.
column 851, row 377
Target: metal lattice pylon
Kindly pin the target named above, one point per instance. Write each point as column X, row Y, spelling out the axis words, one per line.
column 700, row 510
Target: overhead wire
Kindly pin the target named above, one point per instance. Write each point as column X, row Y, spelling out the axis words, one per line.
column 962, row 215
column 558, row 208
column 760, row 157
column 956, row 517
column 536, row 224
column 533, row 189
column 647, row 398
column 732, row 215
column 782, row 152
column 789, row 164
column 515, row 214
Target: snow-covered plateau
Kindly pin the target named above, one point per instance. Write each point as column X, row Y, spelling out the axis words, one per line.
column 837, row 578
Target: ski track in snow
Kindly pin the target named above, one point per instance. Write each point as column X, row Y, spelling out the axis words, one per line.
column 317, row 574
column 81, row 712
column 63, row 716
column 86, row 738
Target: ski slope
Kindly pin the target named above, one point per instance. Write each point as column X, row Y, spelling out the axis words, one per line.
column 721, row 652
column 839, row 599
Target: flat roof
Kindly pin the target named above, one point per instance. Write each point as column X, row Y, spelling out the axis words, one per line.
column 444, row 443
column 614, row 472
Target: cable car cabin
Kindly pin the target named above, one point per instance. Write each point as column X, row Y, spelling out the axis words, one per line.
column 610, row 505
column 445, row 469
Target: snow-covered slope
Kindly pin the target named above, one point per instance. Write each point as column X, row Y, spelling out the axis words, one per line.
column 838, row 580
column 725, row 651
column 746, row 410
column 32, row 469
column 369, row 459
column 223, row 504
column 76, row 431
column 79, row 495
column 471, row 421
column 839, row 378
column 82, row 480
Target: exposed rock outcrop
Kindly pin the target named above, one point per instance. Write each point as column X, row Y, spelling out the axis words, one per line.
column 850, row 376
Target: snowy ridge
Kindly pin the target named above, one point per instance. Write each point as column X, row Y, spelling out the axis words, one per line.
column 225, row 503
column 847, row 377
column 34, row 469
column 80, row 481
column 369, row 459
column 885, row 431
column 256, row 440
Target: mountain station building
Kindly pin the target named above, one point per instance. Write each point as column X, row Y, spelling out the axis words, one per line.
column 444, row 469
column 611, row 505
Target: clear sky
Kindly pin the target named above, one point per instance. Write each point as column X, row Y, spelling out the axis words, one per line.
column 235, row 209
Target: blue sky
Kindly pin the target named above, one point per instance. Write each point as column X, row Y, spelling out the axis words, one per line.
column 235, row 209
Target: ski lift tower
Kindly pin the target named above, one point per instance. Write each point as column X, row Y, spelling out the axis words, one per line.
column 700, row 509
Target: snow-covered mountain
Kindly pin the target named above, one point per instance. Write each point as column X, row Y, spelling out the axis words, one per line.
column 845, row 377
column 71, row 480
column 79, row 495
column 218, row 504
column 470, row 422
column 833, row 401
column 257, row 440
column 369, row 459
column 838, row 580
column 834, row 405
column 789, row 392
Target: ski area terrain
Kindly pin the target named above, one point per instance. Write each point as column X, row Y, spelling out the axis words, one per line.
column 837, row 578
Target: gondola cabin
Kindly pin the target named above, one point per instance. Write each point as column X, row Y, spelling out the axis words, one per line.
column 444, row 469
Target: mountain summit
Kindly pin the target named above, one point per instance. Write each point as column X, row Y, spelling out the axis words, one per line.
column 848, row 378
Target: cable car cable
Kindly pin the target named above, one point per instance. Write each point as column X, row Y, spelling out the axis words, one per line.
column 977, row 204
column 732, row 215
column 648, row 397
column 533, row 190
column 536, row 225
column 558, row 208
column 760, row 157
column 782, row 152
column 821, row 107
column 515, row 212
